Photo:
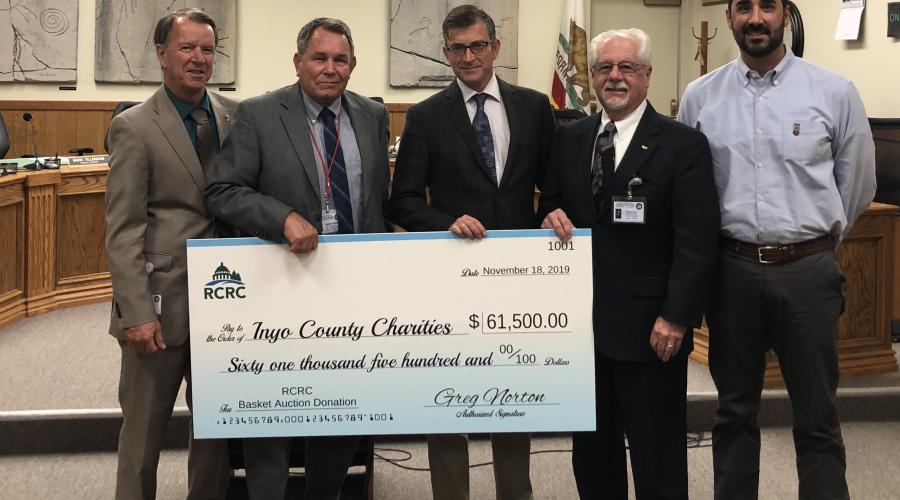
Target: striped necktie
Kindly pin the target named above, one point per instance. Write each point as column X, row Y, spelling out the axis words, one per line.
column 340, row 186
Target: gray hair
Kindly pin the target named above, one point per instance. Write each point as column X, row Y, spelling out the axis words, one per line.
column 326, row 23
column 165, row 23
column 635, row 34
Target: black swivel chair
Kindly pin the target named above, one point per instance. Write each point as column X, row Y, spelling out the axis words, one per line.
column 564, row 116
column 4, row 139
column 122, row 106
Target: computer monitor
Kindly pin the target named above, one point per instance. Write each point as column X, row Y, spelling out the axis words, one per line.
column 886, row 132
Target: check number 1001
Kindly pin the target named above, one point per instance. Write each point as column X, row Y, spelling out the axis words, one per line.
column 559, row 246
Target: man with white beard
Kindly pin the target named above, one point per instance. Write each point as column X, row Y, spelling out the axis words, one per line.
column 643, row 183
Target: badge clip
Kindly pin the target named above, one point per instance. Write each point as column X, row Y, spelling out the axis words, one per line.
column 635, row 181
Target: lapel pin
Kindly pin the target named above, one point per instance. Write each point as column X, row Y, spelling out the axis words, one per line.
column 643, row 146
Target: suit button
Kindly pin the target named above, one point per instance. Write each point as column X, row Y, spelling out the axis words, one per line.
column 318, row 217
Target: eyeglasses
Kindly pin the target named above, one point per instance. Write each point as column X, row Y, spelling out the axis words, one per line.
column 625, row 68
column 458, row 49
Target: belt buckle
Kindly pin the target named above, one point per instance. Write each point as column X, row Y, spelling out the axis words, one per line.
column 759, row 255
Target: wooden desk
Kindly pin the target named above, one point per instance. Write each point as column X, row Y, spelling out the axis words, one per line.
column 867, row 257
column 52, row 240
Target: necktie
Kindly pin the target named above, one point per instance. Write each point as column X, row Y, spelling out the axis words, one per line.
column 206, row 141
column 484, row 135
column 604, row 160
column 340, row 186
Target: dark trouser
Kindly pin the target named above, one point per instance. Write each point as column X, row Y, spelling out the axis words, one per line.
column 646, row 401
column 792, row 308
column 267, row 460
column 448, row 458
column 148, row 387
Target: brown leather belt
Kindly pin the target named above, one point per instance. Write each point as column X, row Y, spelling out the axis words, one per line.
column 778, row 254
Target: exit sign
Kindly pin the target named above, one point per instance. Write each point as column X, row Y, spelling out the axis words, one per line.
column 894, row 19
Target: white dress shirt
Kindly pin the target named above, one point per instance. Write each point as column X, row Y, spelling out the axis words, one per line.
column 624, row 130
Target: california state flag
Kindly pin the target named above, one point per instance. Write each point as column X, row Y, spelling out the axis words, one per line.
column 571, row 79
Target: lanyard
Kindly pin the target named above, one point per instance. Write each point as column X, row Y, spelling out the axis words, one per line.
column 326, row 167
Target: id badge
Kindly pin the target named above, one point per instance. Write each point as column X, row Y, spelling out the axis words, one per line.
column 629, row 210
column 329, row 221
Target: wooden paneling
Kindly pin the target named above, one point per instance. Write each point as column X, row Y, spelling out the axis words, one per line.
column 58, row 125
column 90, row 129
column 896, row 286
column 62, row 125
column 81, row 232
column 397, row 112
column 867, row 258
column 52, row 240
column 40, row 219
column 12, row 248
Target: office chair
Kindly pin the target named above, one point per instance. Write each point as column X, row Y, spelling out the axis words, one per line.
column 122, row 106
column 564, row 116
column 4, row 139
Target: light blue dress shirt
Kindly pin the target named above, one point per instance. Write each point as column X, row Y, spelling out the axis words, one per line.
column 792, row 150
column 349, row 146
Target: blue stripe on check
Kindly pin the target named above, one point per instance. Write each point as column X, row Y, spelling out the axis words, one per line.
column 341, row 238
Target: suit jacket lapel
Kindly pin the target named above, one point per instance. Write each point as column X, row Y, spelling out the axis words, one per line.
column 639, row 150
column 583, row 159
column 641, row 147
column 361, row 120
column 515, row 119
column 295, row 124
column 456, row 109
column 172, row 128
column 223, row 117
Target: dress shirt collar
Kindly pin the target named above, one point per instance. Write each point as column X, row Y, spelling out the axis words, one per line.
column 745, row 75
column 184, row 108
column 492, row 89
column 313, row 108
column 626, row 126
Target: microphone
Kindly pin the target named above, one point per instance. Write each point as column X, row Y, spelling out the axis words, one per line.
column 35, row 165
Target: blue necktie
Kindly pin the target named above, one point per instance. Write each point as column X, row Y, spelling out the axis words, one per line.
column 340, row 186
column 484, row 136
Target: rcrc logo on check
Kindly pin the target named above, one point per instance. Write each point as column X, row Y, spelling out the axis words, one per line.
column 225, row 284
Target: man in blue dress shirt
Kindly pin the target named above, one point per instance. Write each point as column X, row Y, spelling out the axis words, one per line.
column 794, row 165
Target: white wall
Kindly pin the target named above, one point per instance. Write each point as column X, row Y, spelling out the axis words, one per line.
column 267, row 32
column 662, row 25
column 268, row 28
column 872, row 63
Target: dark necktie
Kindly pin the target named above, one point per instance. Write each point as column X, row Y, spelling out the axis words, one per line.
column 604, row 160
column 340, row 186
column 206, row 141
column 484, row 135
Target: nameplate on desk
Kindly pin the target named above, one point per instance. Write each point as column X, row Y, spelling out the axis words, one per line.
column 88, row 160
column 401, row 333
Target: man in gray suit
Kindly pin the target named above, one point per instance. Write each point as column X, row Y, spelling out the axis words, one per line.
column 160, row 151
column 304, row 160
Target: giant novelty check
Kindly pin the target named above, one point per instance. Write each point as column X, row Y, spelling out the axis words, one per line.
column 404, row 333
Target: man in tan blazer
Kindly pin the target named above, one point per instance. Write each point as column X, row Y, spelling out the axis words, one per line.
column 159, row 152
